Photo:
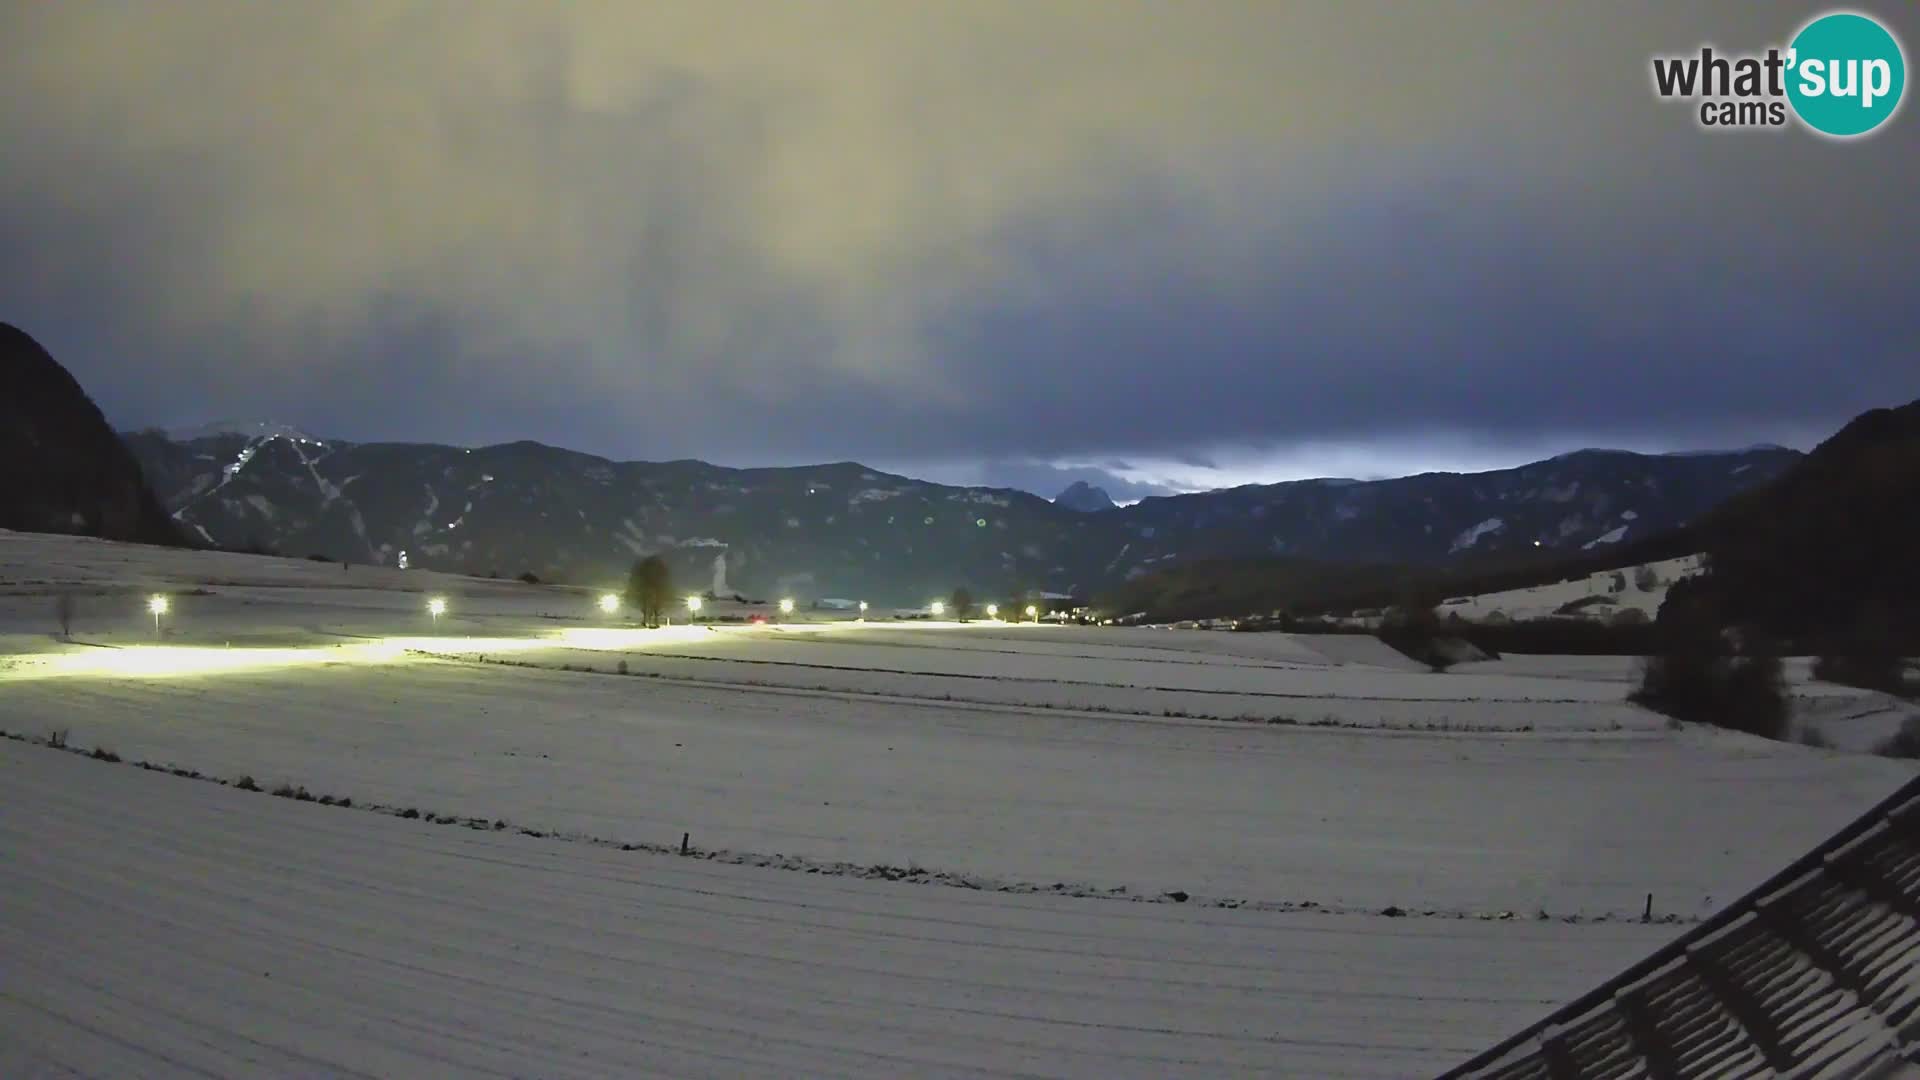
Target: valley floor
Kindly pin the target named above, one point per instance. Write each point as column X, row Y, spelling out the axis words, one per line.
column 155, row 926
column 1122, row 852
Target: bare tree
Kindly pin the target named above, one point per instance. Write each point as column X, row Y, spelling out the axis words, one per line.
column 63, row 605
column 648, row 586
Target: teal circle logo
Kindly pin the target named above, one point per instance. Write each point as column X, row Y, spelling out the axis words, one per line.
column 1846, row 75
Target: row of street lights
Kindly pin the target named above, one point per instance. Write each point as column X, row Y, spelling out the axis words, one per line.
column 158, row 605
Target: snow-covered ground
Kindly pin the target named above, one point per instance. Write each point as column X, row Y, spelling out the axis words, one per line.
column 1847, row 718
column 1518, row 811
column 160, row 927
column 1607, row 594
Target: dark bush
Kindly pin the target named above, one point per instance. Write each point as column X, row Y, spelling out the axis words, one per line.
column 1866, row 654
column 529, row 577
column 1698, row 677
column 1566, row 637
column 1414, row 629
column 1815, row 738
column 1905, row 743
column 1885, row 672
column 1572, row 606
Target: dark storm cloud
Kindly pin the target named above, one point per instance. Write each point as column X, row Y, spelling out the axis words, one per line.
column 1028, row 243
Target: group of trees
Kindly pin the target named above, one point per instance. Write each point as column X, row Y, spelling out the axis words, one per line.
column 1865, row 654
column 1706, row 671
column 1413, row 627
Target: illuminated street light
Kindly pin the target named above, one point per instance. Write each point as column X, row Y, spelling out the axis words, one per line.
column 436, row 607
column 693, row 605
column 609, row 603
column 1032, row 611
column 786, row 605
column 993, row 611
column 937, row 608
column 158, row 606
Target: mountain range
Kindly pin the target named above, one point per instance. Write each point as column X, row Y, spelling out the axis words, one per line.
column 846, row 530
column 834, row 530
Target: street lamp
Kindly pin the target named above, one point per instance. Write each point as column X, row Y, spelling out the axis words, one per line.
column 158, row 606
column 693, row 606
column 436, row 607
column 993, row 611
column 609, row 603
column 1032, row 611
column 937, row 608
column 786, row 605
column 863, row 611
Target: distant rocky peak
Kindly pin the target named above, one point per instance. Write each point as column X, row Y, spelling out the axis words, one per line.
column 1084, row 497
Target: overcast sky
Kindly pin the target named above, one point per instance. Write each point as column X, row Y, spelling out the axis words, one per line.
column 1150, row 244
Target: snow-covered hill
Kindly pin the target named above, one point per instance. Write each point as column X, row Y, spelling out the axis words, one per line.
column 1604, row 596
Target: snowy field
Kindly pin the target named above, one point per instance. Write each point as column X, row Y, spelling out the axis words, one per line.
column 1848, row 718
column 1121, row 851
column 160, row 927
